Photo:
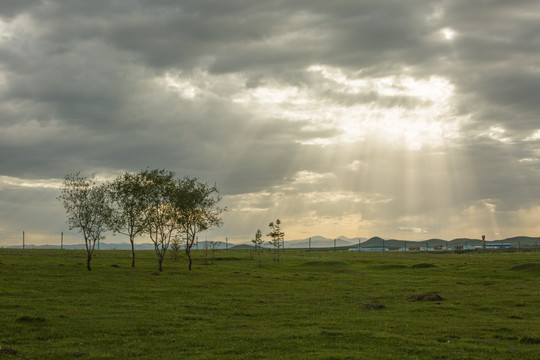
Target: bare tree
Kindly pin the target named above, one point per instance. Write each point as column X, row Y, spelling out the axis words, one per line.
column 87, row 207
column 258, row 241
column 130, row 206
column 276, row 237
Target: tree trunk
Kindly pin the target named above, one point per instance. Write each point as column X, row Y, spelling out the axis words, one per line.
column 88, row 258
column 190, row 261
column 132, row 253
column 160, row 266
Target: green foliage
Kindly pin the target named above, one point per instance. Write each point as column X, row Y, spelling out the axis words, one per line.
column 301, row 309
column 87, row 207
column 128, row 194
column 277, row 237
column 151, row 202
column 258, row 241
column 196, row 210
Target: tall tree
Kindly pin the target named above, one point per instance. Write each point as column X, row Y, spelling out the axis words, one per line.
column 276, row 237
column 258, row 241
column 87, row 207
column 197, row 210
column 130, row 207
column 160, row 215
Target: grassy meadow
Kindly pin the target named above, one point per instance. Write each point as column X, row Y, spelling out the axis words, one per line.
column 312, row 305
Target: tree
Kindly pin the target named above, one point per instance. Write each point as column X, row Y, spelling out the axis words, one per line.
column 160, row 214
column 87, row 207
column 258, row 241
column 214, row 245
column 276, row 237
column 196, row 210
column 176, row 245
column 130, row 206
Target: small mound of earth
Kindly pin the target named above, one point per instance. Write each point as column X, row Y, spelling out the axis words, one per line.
column 373, row 306
column 423, row 266
column 389, row 266
column 527, row 267
column 426, row 297
column 115, row 266
column 30, row 319
column 529, row 340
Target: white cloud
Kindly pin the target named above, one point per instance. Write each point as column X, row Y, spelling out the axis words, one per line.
column 9, row 182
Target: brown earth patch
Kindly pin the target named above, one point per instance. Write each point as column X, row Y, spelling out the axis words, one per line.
column 426, row 297
column 8, row 351
column 373, row 306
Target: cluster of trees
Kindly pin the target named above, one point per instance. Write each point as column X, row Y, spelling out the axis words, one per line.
column 277, row 239
column 151, row 202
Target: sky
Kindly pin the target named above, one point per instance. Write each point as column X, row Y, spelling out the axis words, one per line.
column 401, row 119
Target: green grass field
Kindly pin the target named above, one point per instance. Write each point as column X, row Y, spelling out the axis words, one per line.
column 310, row 306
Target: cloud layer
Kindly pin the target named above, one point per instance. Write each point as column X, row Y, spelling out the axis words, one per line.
column 399, row 119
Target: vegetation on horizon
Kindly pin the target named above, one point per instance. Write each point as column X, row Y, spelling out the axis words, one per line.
column 150, row 202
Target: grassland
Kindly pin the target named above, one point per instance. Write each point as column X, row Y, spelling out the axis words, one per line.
column 310, row 306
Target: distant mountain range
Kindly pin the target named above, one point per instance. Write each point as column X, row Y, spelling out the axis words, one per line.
column 341, row 242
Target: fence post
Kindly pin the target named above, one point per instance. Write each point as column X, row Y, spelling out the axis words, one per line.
column 309, row 246
column 383, row 245
column 358, row 244
column 227, row 243
column 61, row 240
column 334, row 244
column 23, row 239
column 405, row 245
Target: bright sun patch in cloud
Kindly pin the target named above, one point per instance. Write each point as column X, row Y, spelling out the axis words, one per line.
column 399, row 108
column 448, row 33
column 177, row 84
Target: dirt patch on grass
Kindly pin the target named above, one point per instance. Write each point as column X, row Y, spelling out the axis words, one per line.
column 389, row 266
column 529, row 340
column 230, row 258
column 426, row 297
column 8, row 351
column 534, row 267
column 423, row 266
column 115, row 266
column 31, row 320
column 373, row 306
column 324, row 263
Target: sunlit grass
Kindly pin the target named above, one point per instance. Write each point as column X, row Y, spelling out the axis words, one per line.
column 310, row 306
